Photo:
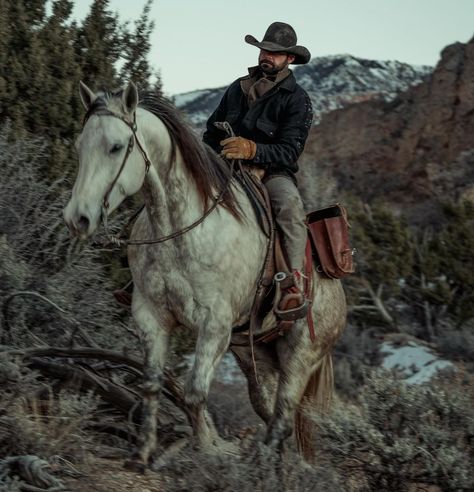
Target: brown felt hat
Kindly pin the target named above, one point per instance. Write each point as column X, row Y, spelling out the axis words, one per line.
column 281, row 37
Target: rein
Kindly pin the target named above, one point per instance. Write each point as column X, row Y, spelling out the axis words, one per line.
column 105, row 205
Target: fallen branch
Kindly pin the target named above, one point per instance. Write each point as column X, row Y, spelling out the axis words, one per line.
column 32, row 472
column 112, row 393
column 78, row 353
column 173, row 388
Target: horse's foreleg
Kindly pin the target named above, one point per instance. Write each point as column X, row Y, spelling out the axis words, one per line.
column 212, row 343
column 155, row 338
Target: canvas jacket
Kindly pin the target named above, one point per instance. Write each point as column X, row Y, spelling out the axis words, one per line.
column 278, row 122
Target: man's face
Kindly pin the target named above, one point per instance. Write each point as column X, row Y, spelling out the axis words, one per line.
column 272, row 62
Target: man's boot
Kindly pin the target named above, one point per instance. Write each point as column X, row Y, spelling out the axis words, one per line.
column 292, row 302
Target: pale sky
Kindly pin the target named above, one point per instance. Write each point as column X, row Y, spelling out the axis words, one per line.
column 199, row 44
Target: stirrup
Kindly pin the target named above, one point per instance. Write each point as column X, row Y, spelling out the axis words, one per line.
column 291, row 314
column 291, row 303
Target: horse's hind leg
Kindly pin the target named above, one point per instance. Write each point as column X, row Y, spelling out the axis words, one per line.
column 262, row 377
column 298, row 361
column 155, row 337
column 212, row 343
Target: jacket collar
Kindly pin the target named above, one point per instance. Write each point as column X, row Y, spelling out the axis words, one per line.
column 288, row 83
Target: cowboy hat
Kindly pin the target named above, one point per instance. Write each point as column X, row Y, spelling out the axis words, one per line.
column 281, row 37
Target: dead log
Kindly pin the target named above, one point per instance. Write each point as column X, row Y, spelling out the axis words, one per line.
column 173, row 389
column 116, row 395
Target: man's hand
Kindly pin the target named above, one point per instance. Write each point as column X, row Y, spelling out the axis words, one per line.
column 238, row 148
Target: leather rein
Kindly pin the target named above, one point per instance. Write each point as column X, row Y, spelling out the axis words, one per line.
column 131, row 143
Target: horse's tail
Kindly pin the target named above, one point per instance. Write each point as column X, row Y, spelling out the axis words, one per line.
column 317, row 397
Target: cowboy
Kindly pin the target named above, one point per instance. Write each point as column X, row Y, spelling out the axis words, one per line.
column 272, row 115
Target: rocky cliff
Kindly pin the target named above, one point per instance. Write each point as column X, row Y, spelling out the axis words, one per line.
column 414, row 151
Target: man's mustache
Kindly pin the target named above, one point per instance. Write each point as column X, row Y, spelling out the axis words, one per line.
column 268, row 62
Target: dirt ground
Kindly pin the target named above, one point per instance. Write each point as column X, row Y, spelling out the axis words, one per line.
column 106, row 475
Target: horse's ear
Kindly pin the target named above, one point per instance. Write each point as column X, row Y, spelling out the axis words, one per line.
column 130, row 97
column 87, row 96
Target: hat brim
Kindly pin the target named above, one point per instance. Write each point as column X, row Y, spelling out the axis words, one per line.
column 302, row 54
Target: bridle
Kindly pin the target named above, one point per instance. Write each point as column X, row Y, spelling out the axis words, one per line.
column 101, row 111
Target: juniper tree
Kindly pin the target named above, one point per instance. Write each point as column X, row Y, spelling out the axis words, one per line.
column 445, row 263
column 21, row 70
column 384, row 259
column 98, row 45
column 136, row 48
column 59, row 101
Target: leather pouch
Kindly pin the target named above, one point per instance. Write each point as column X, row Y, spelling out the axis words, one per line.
column 329, row 235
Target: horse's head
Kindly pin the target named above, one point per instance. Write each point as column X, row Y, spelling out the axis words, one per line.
column 111, row 165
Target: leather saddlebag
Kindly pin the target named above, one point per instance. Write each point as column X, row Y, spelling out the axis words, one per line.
column 329, row 237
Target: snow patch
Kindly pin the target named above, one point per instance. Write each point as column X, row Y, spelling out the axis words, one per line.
column 181, row 100
column 416, row 363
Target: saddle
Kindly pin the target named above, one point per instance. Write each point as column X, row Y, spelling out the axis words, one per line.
column 327, row 246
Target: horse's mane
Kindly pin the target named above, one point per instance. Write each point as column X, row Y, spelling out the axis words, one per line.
column 210, row 173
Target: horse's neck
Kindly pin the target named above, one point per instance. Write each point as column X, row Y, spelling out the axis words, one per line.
column 169, row 192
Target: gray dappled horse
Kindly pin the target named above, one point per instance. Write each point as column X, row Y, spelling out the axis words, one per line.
column 205, row 279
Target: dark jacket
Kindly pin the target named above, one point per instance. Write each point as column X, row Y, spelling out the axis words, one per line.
column 278, row 122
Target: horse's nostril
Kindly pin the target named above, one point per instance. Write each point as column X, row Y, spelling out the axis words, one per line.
column 83, row 223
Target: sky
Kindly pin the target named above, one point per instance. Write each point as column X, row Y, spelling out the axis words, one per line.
column 199, row 44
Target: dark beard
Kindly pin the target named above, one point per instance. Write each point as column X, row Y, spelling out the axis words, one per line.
column 268, row 68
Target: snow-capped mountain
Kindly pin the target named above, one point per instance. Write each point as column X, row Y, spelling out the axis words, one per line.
column 332, row 82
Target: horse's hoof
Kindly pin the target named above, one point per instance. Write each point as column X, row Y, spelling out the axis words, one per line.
column 174, row 449
column 135, row 465
column 274, row 443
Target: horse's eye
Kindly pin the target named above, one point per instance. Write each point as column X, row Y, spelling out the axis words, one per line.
column 116, row 148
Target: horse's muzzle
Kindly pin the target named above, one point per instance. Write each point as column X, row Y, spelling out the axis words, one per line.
column 79, row 222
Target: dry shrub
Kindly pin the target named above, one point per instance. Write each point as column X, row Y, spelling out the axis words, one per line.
column 457, row 343
column 61, row 283
column 33, row 420
column 37, row 255
column 51, row 427
column 257, row 469
column 355, row 352
column 401, row 435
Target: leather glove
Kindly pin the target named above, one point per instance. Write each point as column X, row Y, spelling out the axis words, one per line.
column 238, row 148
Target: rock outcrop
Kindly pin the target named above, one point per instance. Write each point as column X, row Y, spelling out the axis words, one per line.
column 414, row 151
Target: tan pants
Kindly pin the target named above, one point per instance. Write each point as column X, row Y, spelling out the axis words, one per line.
column 290, row 217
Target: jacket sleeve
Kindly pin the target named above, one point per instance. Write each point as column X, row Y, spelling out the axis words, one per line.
column 212, row 136
column 291, row 135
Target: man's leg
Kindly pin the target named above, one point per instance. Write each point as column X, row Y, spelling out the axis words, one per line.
column 289, row 214
column 290, row 217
